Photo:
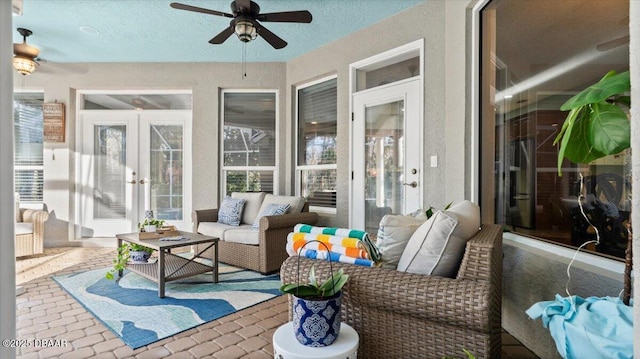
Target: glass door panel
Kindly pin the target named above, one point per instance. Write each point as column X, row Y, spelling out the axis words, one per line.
column 109, row 172
column 166, row 172
column 384, row 165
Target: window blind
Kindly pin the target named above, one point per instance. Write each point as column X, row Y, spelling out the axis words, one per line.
column 28, row 158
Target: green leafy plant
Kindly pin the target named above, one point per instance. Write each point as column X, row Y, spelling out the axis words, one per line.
column 122, row 257
column 429, row 212
column 469, row 355
column 151, row 222
column 597, row 125
column 315, row 291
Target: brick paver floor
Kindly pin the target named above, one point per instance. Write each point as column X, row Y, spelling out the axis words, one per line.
column 62, row 328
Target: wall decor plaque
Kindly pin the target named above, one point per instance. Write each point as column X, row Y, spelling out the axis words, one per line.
column 53, row 115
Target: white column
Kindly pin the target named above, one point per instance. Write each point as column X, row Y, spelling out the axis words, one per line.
column 7, row 215
column 634, row 65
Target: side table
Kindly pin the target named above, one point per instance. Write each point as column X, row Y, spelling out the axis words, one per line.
column 286, row 346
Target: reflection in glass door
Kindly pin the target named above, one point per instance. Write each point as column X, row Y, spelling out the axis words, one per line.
column 166, row 163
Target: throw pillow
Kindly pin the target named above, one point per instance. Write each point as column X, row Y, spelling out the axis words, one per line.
column 437, row 246
column 231, row 211
column 394, row 233
column 273, row 209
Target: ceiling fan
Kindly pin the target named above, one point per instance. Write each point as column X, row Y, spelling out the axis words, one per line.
column 245, row 21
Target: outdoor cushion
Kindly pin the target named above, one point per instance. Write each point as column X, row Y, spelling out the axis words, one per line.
column 296, row 202
column 394, row 233
column 251, row 206
column 437, row 246
column 216, row 229
column 231, row 211
column 24, row 228
column 243, row 235
column 273, row 209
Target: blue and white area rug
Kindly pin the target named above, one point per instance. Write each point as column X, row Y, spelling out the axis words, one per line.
column 132, row 310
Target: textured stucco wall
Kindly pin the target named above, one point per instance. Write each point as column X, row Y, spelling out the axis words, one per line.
column 442, row 26
column 204, row 79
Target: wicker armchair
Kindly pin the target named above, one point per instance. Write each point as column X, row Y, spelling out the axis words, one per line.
column 271, row 251
column 30, row 231
column 404, row 315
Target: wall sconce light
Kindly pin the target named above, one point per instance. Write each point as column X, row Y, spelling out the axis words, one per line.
column 25, row 54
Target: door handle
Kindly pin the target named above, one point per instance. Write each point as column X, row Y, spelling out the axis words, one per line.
column 142, row 181
column 413, row 184
column 131, row 182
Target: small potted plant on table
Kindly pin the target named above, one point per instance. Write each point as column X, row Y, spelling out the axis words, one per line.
column 151, row 224
column 316, row 308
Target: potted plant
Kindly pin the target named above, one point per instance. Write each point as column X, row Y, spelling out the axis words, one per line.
column 151, row 224
column 126, row 252
column 316, row 308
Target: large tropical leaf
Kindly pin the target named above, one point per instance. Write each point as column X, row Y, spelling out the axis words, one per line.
column 611, row 84
column 577, row 147
column 609, row 129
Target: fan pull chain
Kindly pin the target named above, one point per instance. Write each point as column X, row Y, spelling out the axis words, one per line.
column 244, row 60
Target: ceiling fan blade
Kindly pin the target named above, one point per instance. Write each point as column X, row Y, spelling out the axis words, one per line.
column 269, row 36
column 244, row 6
column 222, row 37
column 612, row 44
column 286, row 16
column 180, row 6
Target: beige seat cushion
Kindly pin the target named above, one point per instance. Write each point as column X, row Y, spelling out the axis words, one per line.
column 242, row 235
column 24, row 228
column 17, row 208
column 437, row 246
column 215, row 229
column 296, row 203
column 251, row 206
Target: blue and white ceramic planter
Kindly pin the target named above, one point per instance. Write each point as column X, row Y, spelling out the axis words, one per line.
column 316, row 323
column 139, row 256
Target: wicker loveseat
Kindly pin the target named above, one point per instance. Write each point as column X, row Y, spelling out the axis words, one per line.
column 262, row 249
column 405, row 315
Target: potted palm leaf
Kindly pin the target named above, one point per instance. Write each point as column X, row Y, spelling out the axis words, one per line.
column 316, row 308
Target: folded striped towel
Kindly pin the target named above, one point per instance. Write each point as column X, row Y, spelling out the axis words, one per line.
column 335, row 257
column 351, row 247
column 369, row 246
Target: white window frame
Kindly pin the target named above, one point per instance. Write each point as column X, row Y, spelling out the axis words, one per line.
column 224, row 169
column 23, row 202
column 300, row 168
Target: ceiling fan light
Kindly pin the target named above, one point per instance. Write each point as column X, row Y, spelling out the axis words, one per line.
column 24, row 65
column 245, row 30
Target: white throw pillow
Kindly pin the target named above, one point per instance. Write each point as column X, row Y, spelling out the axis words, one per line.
column 394, row 233
column 437, row 246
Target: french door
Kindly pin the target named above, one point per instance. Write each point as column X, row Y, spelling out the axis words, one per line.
column 387, row 148
column 132, row 162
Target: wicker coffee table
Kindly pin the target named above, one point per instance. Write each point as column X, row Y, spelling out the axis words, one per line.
column 170, row 266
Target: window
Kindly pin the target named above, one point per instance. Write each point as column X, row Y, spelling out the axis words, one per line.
column 28, row 164
column 316, row 166
column 536, row 54
column 249, row 142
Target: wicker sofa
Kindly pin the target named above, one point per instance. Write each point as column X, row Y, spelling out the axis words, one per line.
column 262, row 249
column 29, row 230
column 405, row 315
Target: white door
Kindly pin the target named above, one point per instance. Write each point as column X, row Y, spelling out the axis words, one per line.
column 387, row 148
column 134, row 161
